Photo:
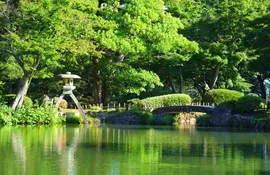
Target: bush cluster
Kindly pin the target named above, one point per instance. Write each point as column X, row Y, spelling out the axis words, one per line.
column 29, row 115
column 222, row 96
column 204, row 120
column 247, row 104
column 135, row 103
column 73, row 119
column 167, row 120
column 5, row 115
column 27, row 101
column 167, row 100
column 145, row 117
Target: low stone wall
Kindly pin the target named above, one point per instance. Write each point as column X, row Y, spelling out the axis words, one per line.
column 222, row 117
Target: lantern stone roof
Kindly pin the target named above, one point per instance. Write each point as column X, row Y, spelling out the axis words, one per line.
column 69, row 75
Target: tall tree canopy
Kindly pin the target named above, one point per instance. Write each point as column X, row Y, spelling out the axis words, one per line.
column 124, row 48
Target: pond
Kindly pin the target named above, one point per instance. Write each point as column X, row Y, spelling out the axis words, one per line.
column 112, row 149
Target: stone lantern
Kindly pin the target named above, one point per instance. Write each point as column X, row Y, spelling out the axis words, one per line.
column 67, row 90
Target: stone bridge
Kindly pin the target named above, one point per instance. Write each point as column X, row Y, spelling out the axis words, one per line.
column 185, row 108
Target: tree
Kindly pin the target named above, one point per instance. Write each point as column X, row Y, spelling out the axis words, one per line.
column 258, row 38
column 220, row 33
column 149, row 37
column 36, row 37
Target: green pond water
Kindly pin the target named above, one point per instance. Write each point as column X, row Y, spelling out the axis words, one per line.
column 110, row 149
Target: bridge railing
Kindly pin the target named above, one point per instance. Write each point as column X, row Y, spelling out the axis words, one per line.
column 151, row 107
column 125, row 106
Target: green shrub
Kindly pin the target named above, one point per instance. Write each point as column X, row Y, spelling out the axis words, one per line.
column 36, row 115
column 222, row 96
column 247, row 104
column 74, row 119
column 29, row 115
column 27, row 101
column 203, row 120
column 135, row 103
column 145, row 117
column 5, row 115
column 168, row 100
column 167, row 120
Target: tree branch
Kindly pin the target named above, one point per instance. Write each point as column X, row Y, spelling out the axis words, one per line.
column 7, row 51
column 17, row 57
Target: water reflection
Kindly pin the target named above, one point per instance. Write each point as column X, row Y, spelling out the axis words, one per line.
column 131, row 150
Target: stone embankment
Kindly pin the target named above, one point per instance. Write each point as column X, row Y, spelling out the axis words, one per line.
column 222, row 117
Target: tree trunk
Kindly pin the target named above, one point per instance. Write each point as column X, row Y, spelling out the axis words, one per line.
column 105, row 93
column 181, row 80
column 97, row 80
column 200, row 89
column 22, row 91
column 172, row 84
column 260, row 79
column 215, row 78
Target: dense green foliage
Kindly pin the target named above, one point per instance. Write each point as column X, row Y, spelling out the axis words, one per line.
column 247, row 104
column 167, row 100
column 6, row 115
column 203, row 120
column 133, row 48
column 168, row 120
column 145, row 117
column 74, row 119
column 221, row 96
column 27, row 101
column 29, row 115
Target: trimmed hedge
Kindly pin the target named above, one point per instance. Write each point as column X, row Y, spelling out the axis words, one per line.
column 222, row 96
column 248, row 104
column 167, row 100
